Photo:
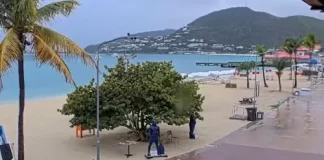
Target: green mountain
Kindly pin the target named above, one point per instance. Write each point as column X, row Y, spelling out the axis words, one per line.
column 232, row 30
column 243, row 26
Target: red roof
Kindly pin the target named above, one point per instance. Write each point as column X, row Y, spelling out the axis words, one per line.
column 302, row 48
column 283, row 54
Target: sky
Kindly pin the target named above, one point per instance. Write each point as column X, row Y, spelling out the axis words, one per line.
column 99, row 20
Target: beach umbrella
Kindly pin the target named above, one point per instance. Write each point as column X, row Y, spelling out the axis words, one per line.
column 313, row 61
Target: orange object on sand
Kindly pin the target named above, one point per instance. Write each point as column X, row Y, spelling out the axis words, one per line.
column 80, row 129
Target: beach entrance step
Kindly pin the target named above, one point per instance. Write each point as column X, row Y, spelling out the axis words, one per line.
column 238, row 117
column 230, row 85
column 156, row 156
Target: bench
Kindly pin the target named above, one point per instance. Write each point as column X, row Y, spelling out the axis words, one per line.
column 80, row 129
column 247, row 101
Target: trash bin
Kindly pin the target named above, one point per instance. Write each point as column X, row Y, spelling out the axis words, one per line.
column 251, row 113
column 260, row 115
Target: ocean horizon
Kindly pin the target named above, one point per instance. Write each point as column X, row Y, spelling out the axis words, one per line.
column 45, row 82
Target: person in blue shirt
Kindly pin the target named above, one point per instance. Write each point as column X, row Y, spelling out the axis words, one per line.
column 154, row 133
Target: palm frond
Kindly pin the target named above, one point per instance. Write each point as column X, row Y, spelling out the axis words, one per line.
column 10, row 50
column 46, row 55
column 310, row 41
column 52, row 10
column 261, row 50
column 6, row 8
column 25, row 12
column 5, row 22
column 62, row 44
column 246, row 66
column 291, row 44
column 281, row 63
column 288, row 50
column 288, row 46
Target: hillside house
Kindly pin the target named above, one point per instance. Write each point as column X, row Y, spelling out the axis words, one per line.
column 303, row 51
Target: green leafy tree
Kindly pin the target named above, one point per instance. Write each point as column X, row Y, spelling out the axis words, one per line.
column 132, row 95
column 280, row 64
column 150, row 91
column 261, row 50
column 24, row 18
column 310, row 41
column 247, row 67
column 82, row 105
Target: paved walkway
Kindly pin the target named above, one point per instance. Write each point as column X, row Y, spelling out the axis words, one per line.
column 295, row 132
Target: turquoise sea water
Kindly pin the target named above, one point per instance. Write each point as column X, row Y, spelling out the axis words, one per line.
column 44, row 81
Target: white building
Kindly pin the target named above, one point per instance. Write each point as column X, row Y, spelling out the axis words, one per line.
column 218, row 46
column 163, row 48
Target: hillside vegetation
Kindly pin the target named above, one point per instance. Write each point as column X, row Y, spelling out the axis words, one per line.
column 243, row 26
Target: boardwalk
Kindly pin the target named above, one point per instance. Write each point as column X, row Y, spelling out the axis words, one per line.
column 296, row 133
column 226, row 65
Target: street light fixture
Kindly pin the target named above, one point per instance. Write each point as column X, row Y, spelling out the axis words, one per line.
column 98, row 91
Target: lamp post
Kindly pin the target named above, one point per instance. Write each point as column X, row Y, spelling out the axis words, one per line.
column 98, row 91
column 255, row 81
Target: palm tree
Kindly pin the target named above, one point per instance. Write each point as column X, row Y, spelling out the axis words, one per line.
column 280, row 64
column 261, row 50
column 287, row 47
column 23, row 18
column 293, row 44
column 246, row 66
column 310, row 41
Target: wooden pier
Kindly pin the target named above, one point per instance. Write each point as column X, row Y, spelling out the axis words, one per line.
column 226, row 65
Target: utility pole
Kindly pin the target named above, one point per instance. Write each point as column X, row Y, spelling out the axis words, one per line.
column 98, row 91
column 255, row 81
column 130, row 55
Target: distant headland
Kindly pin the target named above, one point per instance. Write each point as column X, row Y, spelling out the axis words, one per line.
column 233, row 30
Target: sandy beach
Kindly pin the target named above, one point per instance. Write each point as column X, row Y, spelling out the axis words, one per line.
column 48, row 135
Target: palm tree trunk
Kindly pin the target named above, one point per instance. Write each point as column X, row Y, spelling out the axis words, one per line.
column 279, row 80
column 295, row 85
column 21, row 77
column 310, row 65
column 264, row 80
column 247, row 79
column 291, row 69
